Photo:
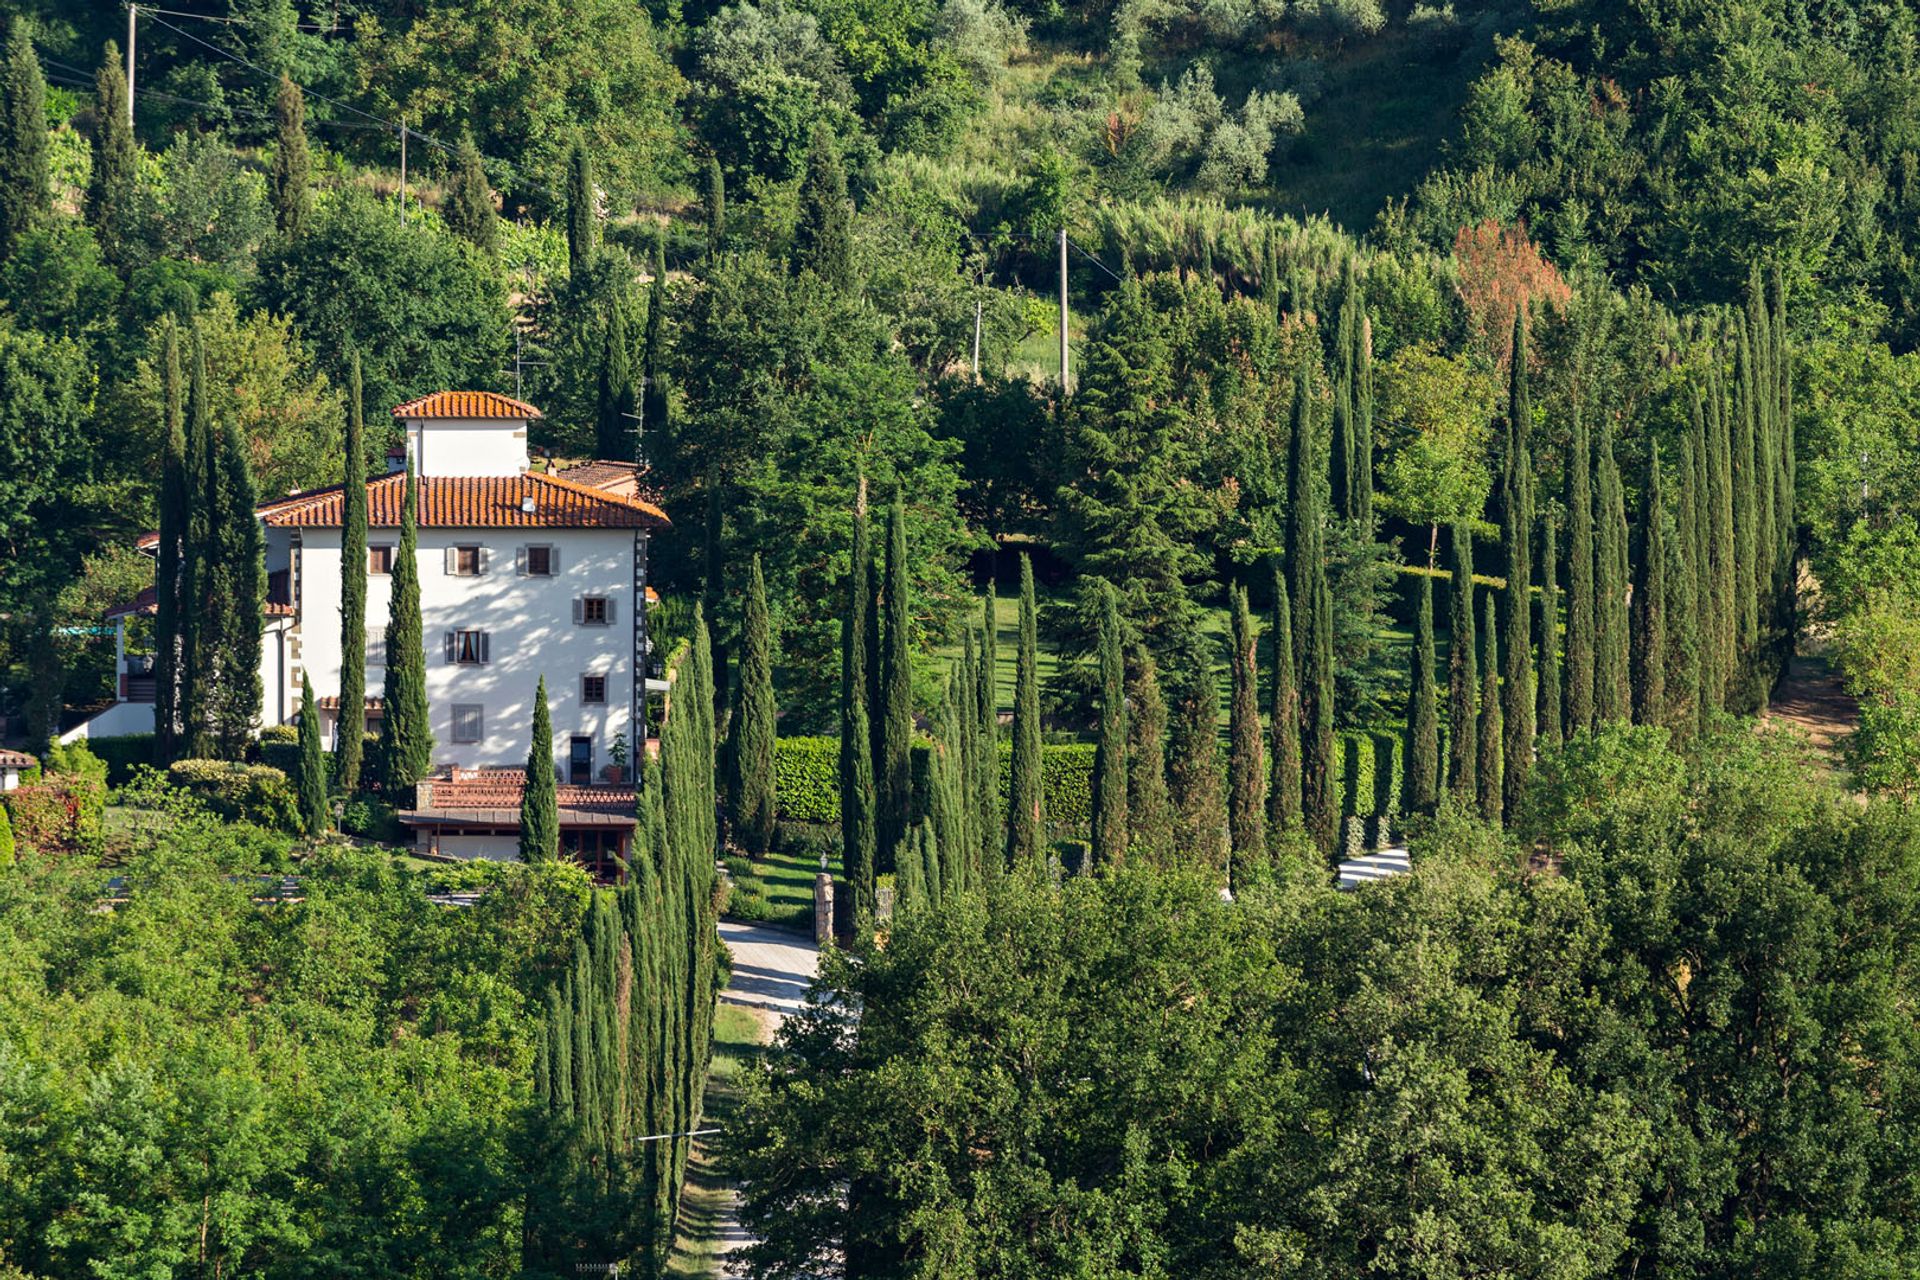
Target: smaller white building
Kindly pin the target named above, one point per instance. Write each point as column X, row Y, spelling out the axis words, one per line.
column 12, row 765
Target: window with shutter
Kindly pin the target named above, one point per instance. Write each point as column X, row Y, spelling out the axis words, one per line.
column 536, row 561
column 469, row 722
column 376, row 646
column 593, row 690
column 466, row 561
column 380, row 560
column 468, row 648
column 594, row 611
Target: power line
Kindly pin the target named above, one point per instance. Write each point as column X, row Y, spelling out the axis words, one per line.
column 237, row 19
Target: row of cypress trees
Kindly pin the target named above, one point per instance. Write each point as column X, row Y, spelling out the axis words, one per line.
column 1684, row 613
column 626, row 1038
column 210, row 578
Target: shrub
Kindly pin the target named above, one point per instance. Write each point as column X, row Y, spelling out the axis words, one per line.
column 123, row 754
column 59, row 815
column 255, row 793
column 279, row 733
column 6, row 839
column 807, row 778
column 737, row 866
column 75, row 759
column 366, row 816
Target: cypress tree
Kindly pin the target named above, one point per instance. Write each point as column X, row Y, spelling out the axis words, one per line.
column 197, row 548
column 1704, row 691
column 716, row 206
column 857, row 800
column 290, row 175
column 1301, row 528
column 1320, row 800
column 583, row 221
column 1721, row 530
column 1516, row 533
column 653, row 384
column 239, row 598
column 963, row 694
column 26, row 192
column 1149, row 813
column 893, row 772
column 1683, row 602
column 1423, row 712
column 1194, row 783
column 823, row 234
column 1746, row 579
column 539, row 805
column 949, row 810
column 468, row 206
column 1580, row 603
column 986, row 784
column 1547, row 688
column 1343, row 481
column 314, row 812
column 1490, row 768
column 1462, row 715
column 1766, row 406
column 1362, row 362
column 1650, row 602
column 1612, row 683
column 613, row 419
column 1026, row 822
column 1110, row 756
column 169, row 619
column 1246, row 766
column 350, row 726
column 111, row 189
column 1284, row 786
column 406, row 736
column 754, row 800
column 909, row 879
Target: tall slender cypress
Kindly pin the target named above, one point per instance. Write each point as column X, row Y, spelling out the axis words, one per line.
column 893, row 771
column 1721, row 529
column 1580, row 603
column 949, row 811
column 1462, row 675
column 290, row 175
column 1490, row 768
column 169, row 619
column 1026, row 824
column 26, row 190
column 653, row 369
column 1302, row 515
column 1194, row 784
column 350, row 725
column 1547, row 685
column 1612, row 683
column 989, row 815
column 753, row 796
column 1149, row 812
column 715, row 206
column 198, row 632
column 1320, row 798
column 1516, row 535
column 583, row 215
column 1683, row 602
column 614, row 404
column 539, row 803
column 1746, row 577
column 1362, row 412
column 1284, row 786
column 964, row 693
column 1766, row 407
column 857, row 800
column 1423, row 712
column 406, row 735
column 1110, row 755
column 1343, row 482
column 111, row 182
column 314, row 811
column 1246, row 763
column 240, row 571
column 1650, row 602
column 822, row 233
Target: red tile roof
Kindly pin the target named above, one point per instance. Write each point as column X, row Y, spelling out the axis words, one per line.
column 148, row 602
column 502, row 788
column 466, row 404
column 476, row 502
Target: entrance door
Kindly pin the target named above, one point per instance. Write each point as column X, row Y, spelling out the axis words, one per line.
column 580, row 761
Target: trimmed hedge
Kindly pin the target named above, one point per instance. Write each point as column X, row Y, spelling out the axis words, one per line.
column 122, row 754
column 806, row 775
column 60, row 815
column 255, row 793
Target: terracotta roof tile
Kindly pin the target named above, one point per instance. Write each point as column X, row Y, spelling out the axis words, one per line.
column 331, row 702
column 466, row 404
column 17, row 760
column 147, row 603
column 477, row 502
column 501, row 788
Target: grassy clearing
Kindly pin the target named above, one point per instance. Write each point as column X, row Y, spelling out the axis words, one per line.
column 786, row 880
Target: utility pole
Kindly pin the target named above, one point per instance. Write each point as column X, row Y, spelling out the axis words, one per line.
column 976, row 339
column 1063, row 313
column 403, row 171
column 133, row 11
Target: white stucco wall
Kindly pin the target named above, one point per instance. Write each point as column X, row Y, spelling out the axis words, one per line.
column 530, row 627
column 492, row 848
column 468, row 447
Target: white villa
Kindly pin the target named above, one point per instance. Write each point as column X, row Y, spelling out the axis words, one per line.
column 523, row 574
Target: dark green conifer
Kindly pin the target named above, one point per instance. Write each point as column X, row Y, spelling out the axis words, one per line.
column 539, row 804
column 716, row 206
column 1246, row 763
column 583, row 211
column 350, row 726
column 111, row 182
column 198, row 548
column 893, row 771
column 1683, row 602
column 1721, row 530
column 169, row 617
column 1341, row 473
column 1516, row 536
column 26, row 192
column 1026, row 820
column 1581, row 618
column 1362, row 361
column 1319, row 763
column 653, row 371
column 1149, row 812
column 857, row 799
column 1650, row 602
column 1746, row 577
column 468, row 205
column 237, row 599
column 314, row 811
column 823, row 234
column 989, row 813
column 1490, row 768
column 1302, row 527
column 1547, row 685
column 1463, row 677
column 754, row 801
column 1284, row 786
column 1194, row 782
column 1110, row 755
column 406, row 735
column 290, row 175
column 1612, row 670
column 614, row 417
column 1423, row 712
